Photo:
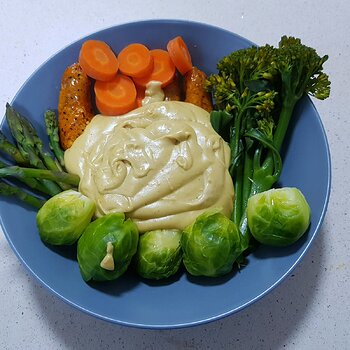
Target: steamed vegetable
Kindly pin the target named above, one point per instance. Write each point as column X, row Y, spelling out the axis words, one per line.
column 98, row 60
column 159, row 254
column 116, row 96
column 106, row 247
column 163, row 69
column 32, row 183
column 256, row 91
column 180, row 54
column 63, row 218
column 135, row 60
column 27, row 144
column 210, row 245
column 28, row 173
column 11, row 150
column 11, row 190
column 36, row 168
column 278, row 217
column 51, row 125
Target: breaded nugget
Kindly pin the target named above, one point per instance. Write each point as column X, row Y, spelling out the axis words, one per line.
column 74, row 107
column 194, row 88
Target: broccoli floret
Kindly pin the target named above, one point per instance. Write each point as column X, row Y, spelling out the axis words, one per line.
column 301, row 72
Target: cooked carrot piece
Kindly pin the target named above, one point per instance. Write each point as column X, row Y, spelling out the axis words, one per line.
column 117, row 96
column 135, row 60
column 180, row 54
column 163, row 69
column 98, row 60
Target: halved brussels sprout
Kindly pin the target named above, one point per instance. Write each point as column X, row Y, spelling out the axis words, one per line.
column 210, row 245
column 278, row 217
column 63, row 218
column 159, row 254
column 106, row 247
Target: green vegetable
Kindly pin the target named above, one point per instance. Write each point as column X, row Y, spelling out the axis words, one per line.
column 210, row 245
column 259, row 87
column 159, row 254
column 27, row 173
column 63, row 218
column 29, row 181
column 26, row 145
column 10, row 190
column 11, row 150
column 31, row 134
column 111, row 237
column 278, row 217
column 52, row 132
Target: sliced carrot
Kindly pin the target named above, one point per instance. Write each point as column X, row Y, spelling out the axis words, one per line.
column 163, row 69
column 135, row 60
column 180, row 54
column 98, row 60
column 115, row 97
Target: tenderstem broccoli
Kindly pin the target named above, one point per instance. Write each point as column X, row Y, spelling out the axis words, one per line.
column 255, row 93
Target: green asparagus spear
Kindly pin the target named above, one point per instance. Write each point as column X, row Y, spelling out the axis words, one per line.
column 10, row 190
column 26, row 146
column 30, row 182
column 52, row 132
column 31, row 134
column 22, row 173
column 11, row 150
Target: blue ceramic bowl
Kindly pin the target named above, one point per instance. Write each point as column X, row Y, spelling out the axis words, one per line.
column 184, row 300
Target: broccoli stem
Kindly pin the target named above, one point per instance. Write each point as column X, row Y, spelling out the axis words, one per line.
column 10, row 190
column 23, row 173
column 247, row 178
column 245, row 187
column 285, row 116
column 52, row 132
column 238, row 186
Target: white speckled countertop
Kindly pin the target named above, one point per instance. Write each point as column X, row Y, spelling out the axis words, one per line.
column 310, row 309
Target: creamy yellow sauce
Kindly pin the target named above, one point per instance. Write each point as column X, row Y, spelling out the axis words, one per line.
column 161, row 164
column 153, row 93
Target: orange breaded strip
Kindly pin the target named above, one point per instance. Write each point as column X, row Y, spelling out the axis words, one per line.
column 75, row 109
column 195, row 92
column 173, row 91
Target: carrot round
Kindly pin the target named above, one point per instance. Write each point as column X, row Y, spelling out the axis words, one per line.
column 115, row 97
column 135, row 60
column 163, row 69
column 98, row 60
column 180, row 54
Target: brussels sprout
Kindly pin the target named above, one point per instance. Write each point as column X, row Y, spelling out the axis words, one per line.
column 106, row 247
column 63, row 218
column 210, row 245
column 159, row 254
column 278, row 217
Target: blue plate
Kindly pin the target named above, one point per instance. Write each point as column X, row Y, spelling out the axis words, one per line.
column 184, row 300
